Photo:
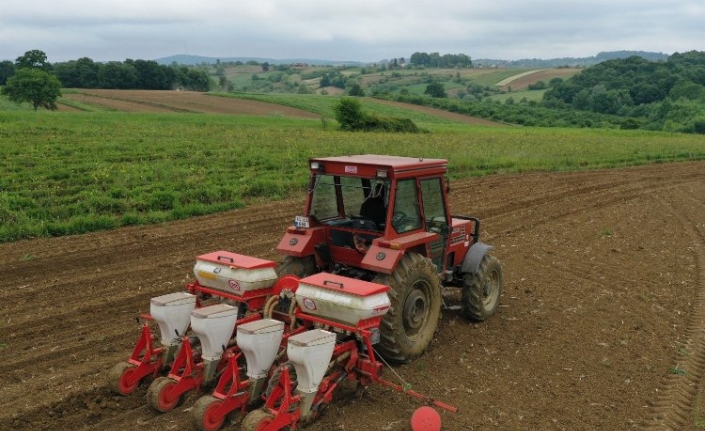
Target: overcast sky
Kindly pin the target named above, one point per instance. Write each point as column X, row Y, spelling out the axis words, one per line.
column 353, row 30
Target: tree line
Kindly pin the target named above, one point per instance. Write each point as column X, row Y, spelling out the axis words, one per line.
column 127, row 75
column 434, row 59
column 656, row 94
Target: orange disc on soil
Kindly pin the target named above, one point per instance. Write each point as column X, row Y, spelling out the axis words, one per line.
column 425, row 419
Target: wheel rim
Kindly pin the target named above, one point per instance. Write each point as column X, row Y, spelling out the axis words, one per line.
column 416, row 308
column 166, row 403
column 211, row 420
column 124, row 385
column 490, row 290
column 263, row 423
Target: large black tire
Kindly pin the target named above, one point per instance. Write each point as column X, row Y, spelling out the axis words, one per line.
column 411, row 321
column 481, row 290
column 298, row 266
column 256, row 420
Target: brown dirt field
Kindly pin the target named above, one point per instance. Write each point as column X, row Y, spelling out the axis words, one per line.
column 195, row 102
column 541, row 75
column 601, row 324
column 182, row 101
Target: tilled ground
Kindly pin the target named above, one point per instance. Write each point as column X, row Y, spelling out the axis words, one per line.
column 180, row 101
column 601, row 324
column 197, row 102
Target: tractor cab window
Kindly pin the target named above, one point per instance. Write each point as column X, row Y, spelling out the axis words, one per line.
column 324, row 205
column 433, row 206
column 407, row 216
column 350, row 198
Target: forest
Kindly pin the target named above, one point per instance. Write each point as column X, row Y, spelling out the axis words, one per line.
column 651, row 94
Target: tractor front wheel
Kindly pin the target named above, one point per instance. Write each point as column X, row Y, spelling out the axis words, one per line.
column 204, row 413
column 119, row 376
column 411, row 321
column 159, row 397
column 256, row 420
column 481, row 290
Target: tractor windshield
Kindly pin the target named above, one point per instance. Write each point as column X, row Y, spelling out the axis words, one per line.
column 338, row 197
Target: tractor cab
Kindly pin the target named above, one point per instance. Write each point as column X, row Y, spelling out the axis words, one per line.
column 366, row 211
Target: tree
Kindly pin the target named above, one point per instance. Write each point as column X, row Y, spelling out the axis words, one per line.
column 34, row 59
column 119, row 75
column 87, row 72
column 435, row 89
column 265, row 66
column 36, row 86
column 7, row 69
column 356, row 90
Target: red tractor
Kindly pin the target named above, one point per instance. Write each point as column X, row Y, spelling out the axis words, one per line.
column 386, row 219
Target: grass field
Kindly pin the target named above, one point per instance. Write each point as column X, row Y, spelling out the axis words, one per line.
column 68, row 173
column 535, row 95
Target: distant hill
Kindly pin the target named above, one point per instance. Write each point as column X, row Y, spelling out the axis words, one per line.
column 192, row 60
column 570, row 61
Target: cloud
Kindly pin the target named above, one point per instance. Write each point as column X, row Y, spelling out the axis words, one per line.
column 365, row 30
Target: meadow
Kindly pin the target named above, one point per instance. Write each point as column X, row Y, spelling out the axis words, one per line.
column 68, row 173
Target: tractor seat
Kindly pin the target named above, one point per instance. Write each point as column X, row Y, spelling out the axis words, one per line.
column 373, row 207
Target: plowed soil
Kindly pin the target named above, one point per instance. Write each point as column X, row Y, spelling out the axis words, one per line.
column 196, row 102
column 601, row 324
column 180, row 101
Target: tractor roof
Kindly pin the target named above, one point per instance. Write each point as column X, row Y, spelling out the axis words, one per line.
column 394, row 164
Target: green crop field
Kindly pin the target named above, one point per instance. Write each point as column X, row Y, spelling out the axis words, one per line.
column 67, row 173
column 535, row 95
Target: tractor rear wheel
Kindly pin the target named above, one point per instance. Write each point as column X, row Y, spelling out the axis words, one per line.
column 411, row 321
column 118, row 377
column 158, row 396
column 256, row 420
column 481, row 290
column 204, row 416
column 298, row 266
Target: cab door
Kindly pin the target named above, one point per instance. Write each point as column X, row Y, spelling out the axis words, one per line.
column 435, row 217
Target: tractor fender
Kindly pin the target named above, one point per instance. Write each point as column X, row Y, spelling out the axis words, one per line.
column 474, row 256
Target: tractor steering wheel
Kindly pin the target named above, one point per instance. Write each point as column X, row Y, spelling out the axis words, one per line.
column 397, row 218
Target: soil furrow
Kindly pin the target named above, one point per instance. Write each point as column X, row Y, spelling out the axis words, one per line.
column 680, row 401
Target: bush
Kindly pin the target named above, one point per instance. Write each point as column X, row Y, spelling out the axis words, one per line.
column 699, row 126
column 389, row 124
column 630, row 124
column 349, row 114
column 356, row 90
